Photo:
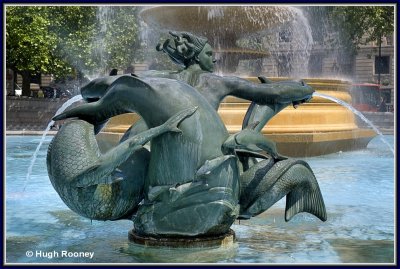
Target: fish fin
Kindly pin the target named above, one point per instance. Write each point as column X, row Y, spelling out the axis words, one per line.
column 305, row 200
column 172, row 123
column 176, row 130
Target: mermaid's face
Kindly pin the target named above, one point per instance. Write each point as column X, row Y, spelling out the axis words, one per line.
column 205, row 59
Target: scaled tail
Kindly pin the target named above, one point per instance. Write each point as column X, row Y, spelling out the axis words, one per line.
column 291, row 178
column 305, row 200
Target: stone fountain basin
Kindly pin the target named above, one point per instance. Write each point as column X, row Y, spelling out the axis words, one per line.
column 217, row 21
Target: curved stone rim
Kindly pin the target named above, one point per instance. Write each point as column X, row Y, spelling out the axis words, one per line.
column 184, row 242
column 200, row 19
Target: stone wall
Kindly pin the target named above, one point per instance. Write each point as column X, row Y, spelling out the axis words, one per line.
column 25, row 113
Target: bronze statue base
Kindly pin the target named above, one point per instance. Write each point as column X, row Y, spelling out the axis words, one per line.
column 184, row 242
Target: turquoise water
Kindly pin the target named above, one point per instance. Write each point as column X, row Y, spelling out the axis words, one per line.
column 358, row 188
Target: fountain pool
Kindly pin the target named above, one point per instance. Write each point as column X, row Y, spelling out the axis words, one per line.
column 358, row 188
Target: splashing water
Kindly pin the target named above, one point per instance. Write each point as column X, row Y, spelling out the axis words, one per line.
column 60, row 110
column 358, row 113
column 290, row 45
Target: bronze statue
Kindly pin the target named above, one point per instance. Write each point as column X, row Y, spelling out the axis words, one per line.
column 192, row 182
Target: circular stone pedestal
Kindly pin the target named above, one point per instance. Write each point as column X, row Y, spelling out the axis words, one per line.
column 184, row 242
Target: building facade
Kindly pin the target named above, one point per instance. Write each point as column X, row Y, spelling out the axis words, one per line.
column 363, row 67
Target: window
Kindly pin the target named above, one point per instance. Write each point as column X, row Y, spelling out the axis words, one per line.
column 382, row 64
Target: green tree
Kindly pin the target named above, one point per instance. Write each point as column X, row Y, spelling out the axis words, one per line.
column 37, row 38
column 74, row 27
column 362, row 24
column 69, row 40
column 28, row 42
column 116, row 40
column 354, row 25
column 95, row 40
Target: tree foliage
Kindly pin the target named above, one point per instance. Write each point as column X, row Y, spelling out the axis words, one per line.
column 28, row 41
column 70, row 40
column 120, row 34
column 74, row 27
column 354, row 25
column 362, row 24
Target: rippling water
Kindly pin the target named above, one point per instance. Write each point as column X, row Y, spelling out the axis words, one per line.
column 358, row 188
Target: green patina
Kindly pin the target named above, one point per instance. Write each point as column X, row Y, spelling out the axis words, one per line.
column 195, row 180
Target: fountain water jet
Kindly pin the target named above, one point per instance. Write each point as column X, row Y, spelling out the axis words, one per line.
column 358, row 113
column 60, row 110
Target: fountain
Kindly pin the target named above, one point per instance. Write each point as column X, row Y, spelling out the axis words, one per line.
column 320, row 127
column 360, row 227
